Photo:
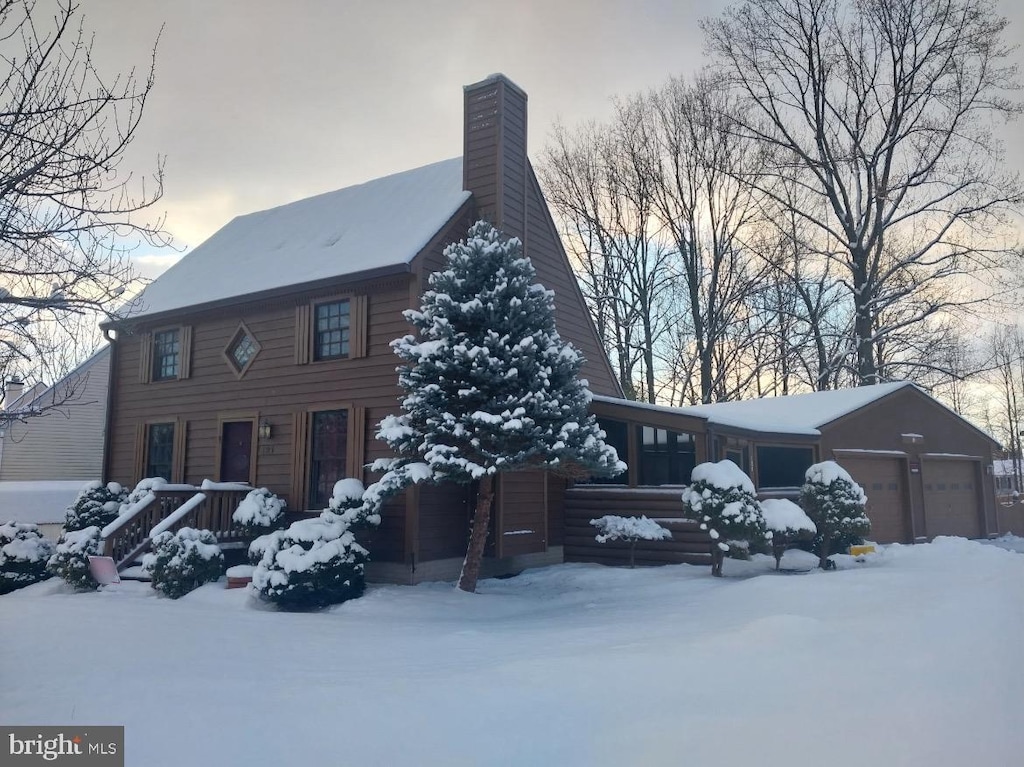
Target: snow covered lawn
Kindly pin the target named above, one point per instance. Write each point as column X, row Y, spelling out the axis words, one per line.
column 911, row 658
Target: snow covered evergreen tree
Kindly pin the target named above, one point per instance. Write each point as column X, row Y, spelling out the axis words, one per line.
column 183, row 561
column 70, row 560
column 489, row 384
column 95, row 505
column 723, row 500
column 835, row 503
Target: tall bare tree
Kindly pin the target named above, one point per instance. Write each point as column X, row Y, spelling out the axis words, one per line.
column 69, row 214
column 708, row 204
column 601, row 180
column 887, row 106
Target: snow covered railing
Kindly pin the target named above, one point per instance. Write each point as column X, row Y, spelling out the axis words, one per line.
column 169, row 507
column 179, row 514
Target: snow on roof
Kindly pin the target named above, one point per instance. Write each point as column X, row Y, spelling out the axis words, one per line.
column 794, row 413
column 381, row 223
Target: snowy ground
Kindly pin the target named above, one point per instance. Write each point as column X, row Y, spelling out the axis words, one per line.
column 43, row 503
column 915, row 657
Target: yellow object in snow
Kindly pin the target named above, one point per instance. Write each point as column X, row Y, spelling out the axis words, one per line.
column 859, row 551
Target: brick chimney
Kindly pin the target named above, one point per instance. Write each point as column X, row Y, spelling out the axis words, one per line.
column 494, row 164
column 12, row 391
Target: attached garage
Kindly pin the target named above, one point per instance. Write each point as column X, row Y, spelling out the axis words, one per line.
column 884, row 481
column 950, row 495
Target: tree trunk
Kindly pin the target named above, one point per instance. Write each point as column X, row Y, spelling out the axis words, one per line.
column 824, row 550
column 717, row 558
column 478, row 536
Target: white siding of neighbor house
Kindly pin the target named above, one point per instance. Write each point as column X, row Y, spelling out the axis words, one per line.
column 66, row 442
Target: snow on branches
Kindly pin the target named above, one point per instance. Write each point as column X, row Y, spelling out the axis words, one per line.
column 630, row 529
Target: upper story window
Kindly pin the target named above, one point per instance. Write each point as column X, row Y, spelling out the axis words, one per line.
column 332, row 328
column 331, row 333
column 166, row 354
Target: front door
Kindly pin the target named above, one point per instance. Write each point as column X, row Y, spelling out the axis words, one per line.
column 236, row 451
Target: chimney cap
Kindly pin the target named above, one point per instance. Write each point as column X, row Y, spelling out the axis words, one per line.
column 493, row 79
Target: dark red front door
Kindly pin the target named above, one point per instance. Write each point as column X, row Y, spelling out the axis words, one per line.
column 236, row 451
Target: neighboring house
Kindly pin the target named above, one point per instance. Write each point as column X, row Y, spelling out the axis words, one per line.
column 1007, row 473
column 51, row 443
column 60, row 437
column 263, row 357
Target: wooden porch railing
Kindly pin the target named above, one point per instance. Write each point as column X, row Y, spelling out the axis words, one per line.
column 128, row 537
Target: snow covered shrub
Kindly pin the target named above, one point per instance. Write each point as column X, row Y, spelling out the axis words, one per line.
column 723, row 500
column 312, row 564
column 258, row 547
column 24, row 553
column 631, row 529
column 183, row 561
column 835, row 504
column 145, row 486
column 787, row 523
column 70, row 560
column 95, row 505
column 259, row 512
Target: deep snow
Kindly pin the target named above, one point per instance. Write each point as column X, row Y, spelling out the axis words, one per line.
column 911, row 658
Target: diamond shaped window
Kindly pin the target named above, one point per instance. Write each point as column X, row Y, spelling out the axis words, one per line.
column 242, row 350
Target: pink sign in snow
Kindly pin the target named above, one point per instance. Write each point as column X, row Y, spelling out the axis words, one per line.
column 103, row 570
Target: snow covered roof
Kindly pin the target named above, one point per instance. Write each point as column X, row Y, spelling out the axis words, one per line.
column 802, row 414
column 381, row 223
column 794, row 413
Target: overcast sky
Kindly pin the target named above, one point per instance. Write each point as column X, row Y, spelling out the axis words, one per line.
column 260, row 102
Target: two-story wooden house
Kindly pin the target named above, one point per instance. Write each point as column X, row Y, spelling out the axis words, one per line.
column 263, row 355
column 263, row 358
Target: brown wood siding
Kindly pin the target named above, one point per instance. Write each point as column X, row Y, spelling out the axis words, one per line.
column 880, row 426
column 557, row 487
column 274, row 387
column 521, row 514
column 582, row 504
column 443, row 520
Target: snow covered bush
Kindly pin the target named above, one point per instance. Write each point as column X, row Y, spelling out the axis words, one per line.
column 312, row 564
column 723, row 500
column 70, row 560
column 259, row 512
column 348, row 502
column 141, row 490
column 489, row 384
column 630, row 529
column 95, row 505
column 787, row 523
column 24, row 553
column 835, row 504
column 183, row 561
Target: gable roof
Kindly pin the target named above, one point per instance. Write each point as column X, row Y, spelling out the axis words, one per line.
column 35, row 395
column 802, row 414
column 794, row 413
column 381, row 223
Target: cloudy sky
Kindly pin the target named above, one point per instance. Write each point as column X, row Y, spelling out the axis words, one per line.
column 260, row 102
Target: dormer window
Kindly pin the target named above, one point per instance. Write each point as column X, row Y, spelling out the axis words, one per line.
column 241, row 351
